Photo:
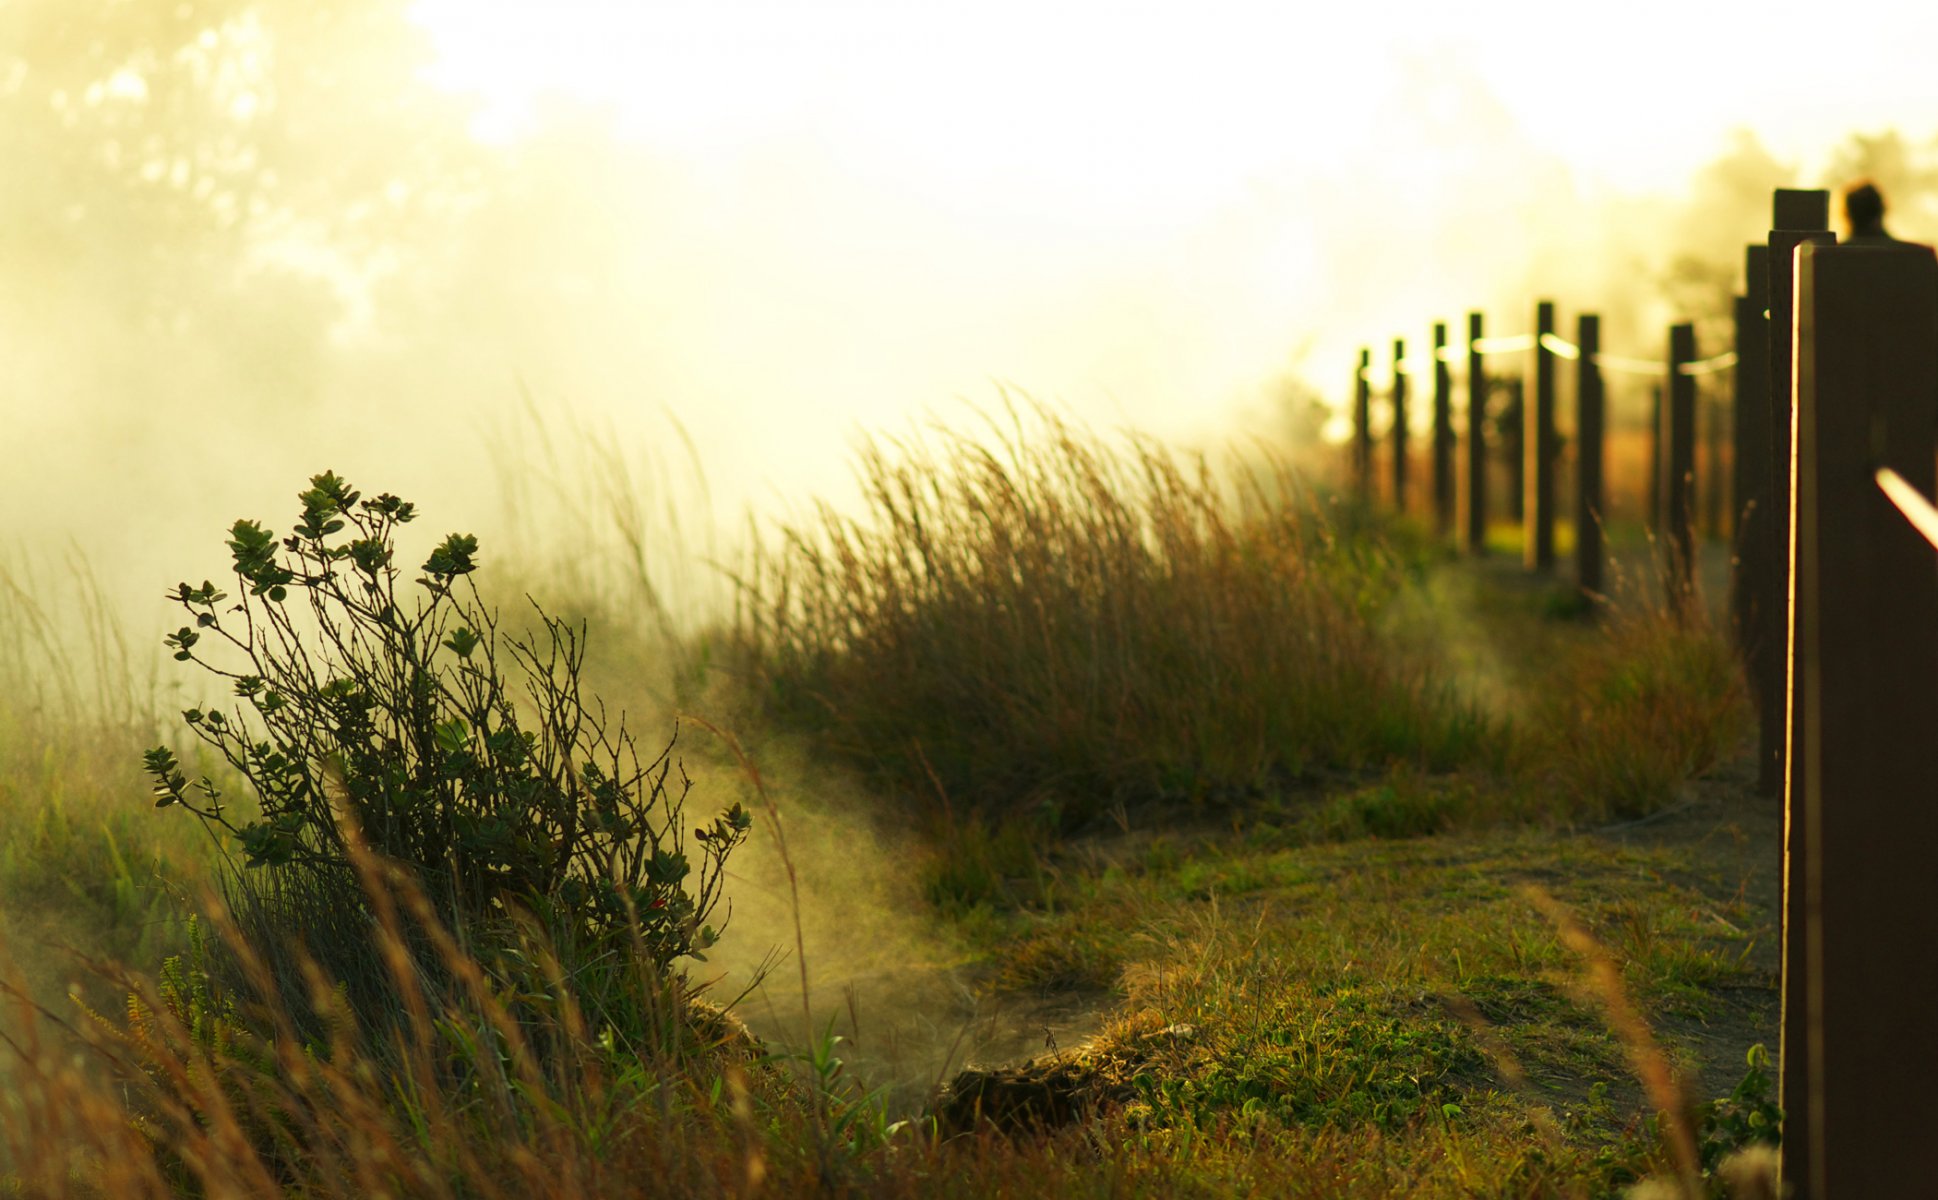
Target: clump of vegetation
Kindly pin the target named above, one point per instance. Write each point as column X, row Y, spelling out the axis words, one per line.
column 1045, row 623
column 1653, row 702
column 367, row 716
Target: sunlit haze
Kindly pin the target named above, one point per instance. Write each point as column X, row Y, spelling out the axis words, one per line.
column 273, row 237
column 631, row 291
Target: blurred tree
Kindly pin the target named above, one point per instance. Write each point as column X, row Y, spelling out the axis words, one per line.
column 228, row 171
column 1906, row 173
column 1729, row 207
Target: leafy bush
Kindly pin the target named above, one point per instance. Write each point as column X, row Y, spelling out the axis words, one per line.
column 366, row 716
column 1051, row 624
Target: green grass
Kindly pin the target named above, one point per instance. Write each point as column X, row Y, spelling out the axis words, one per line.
column 1306, row 814
column 83, row 861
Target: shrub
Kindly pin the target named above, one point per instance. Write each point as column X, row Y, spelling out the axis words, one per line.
column 368, row 716
column 1055, row 625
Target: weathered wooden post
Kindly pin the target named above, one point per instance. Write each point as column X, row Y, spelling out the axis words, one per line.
column 1588, row 456
column 1865, row 692
column 1443, row 435
column 1656, row 448
column 1363, row 428
column 1753, row 583
column 1709, row 473
column 1399, row 425
column 1798, row 216
column 1539, row 443
column 1514, row 426
column 1476, row 439
column 1750, row 492
column 1679, row 467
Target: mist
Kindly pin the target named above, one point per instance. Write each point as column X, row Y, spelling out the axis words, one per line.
column 259, row 239
column 248, row 240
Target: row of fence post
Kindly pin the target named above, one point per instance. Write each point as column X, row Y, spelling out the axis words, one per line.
column 1834, row 605
column 1533, row 446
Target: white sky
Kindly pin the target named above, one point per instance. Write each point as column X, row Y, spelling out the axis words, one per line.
column 1146, row 210
column 1151, row 109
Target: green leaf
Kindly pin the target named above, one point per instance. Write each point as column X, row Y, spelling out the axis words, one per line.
column 461, row 642
column 454, row 557
column 452, row 736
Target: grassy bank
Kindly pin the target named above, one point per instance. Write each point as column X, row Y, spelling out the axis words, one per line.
column 1038, row 620
column 1205, row 778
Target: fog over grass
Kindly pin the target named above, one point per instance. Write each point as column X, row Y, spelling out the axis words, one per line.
column 259, row 240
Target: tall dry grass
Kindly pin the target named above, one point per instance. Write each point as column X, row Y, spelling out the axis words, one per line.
column 1632, row 715
column 1031, row 618
column 80, row 857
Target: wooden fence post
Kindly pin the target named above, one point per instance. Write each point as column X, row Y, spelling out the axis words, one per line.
column 1709, row 473
column 1476, row 439
column 1363, row 428
column 1443, row 435
column 1797, row 217
column 1679, row 467
column 1864, row 686
column 1654, row 520
column 1514, row 427
column 1589, row 505
column 1538, row 440
column 1399, row 425
column 1750, row 493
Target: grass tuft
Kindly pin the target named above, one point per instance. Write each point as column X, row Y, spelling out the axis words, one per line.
column 1654, row 702
column 1039, row 621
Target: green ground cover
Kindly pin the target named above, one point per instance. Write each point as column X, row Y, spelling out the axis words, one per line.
column 1351, row 869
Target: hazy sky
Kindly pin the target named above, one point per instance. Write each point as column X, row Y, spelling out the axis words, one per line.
column 1104, row 111
column 805, row 219
column 1203, row 174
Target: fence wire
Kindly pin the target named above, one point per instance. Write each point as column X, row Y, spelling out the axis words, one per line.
column 1561, row 347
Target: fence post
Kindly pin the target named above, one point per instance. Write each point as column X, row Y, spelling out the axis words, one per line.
column 1679, row 467
column 1514, row 428
column 1865, row 687
column 1797, row 216
column 1443, row 437
column 1363, row 428
column 1588, row 456
column 1710, row 474
column 1476, row 439
column 1750, row 492
column 1654, row 519
column 1399, row 425
column 1538, row 438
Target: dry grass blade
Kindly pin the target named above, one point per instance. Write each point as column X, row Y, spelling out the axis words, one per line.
column 1646, row 1059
